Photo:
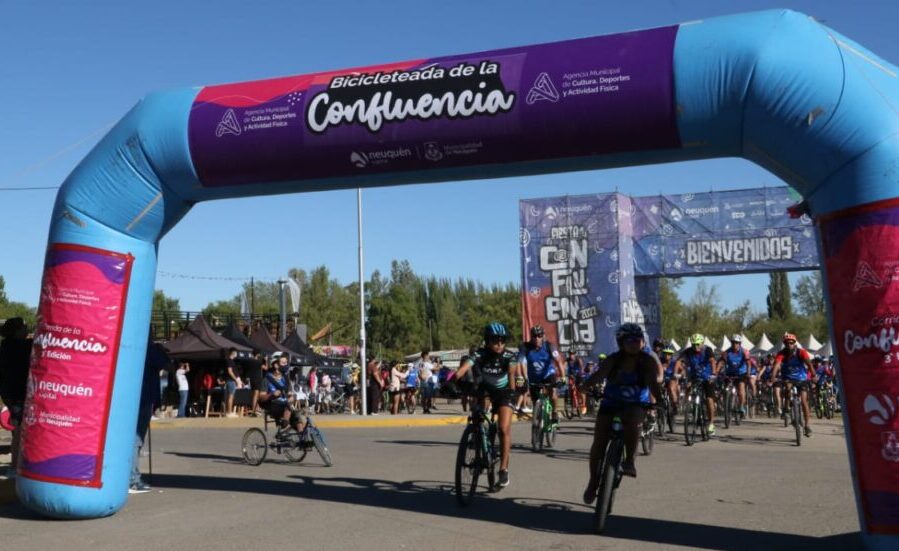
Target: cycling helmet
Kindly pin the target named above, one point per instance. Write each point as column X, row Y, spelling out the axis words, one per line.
column 789, row 337
column 668, row 351
column 736, row 338
column 628, row 331
column 537, row 331
column 696, row 338
column 495, row 329
column 817, row 359
column 601, row 357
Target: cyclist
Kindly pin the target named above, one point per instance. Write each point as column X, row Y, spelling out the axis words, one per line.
column 543, row 365
column 630, row 375
column 274, row 400
column 494, row 369
column 698, row 361
column 791, row 362
column 736, row 363
column 576, row 374
column 673, row 373
column 823, row 373
column 753, row 377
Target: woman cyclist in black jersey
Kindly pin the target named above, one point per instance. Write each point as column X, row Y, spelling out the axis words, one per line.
column 494, row 370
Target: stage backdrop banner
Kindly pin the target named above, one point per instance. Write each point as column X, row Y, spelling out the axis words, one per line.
column 591, row 262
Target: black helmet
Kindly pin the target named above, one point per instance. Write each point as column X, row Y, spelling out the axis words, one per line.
column 628, row 330
column 536, row 331
column 659, row 342
column 495, row 329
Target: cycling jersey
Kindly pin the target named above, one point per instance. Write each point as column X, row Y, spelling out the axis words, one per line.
column 792, row 366
column 273, row 385
column 492, row 370
column 412, row 379
column 765, row 375
column 736, row 364
column 670, row 370
column 824, row 374
column 539, row 361
column 753, row 368
column 627, row 387
column 699, row 364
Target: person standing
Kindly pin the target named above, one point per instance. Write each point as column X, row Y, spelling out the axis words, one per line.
column 232, row 382
column 15, row 357
column 183, row 387
column 375, row 385
column 149, row 397
column 397, row 376
column 424, row 368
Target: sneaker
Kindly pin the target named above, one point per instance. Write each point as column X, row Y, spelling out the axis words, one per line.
column 590, row 494
column 526, row 409
column 711, row 429
column 808, row 432
column 231, row 415
column 503, row 479
column 629, row 469
column 140, row 488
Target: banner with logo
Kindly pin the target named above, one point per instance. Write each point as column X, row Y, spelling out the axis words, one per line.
column 607, row 94
column 861, row 248
column 591, row 262
column 73, row 364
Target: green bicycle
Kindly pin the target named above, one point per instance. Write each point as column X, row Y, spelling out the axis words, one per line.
column 543, row 428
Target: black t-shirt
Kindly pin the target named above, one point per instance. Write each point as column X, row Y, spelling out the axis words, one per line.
column 234, row 369
column 491, row 369
column 15, row 355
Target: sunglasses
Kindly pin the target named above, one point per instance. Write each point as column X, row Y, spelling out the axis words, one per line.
column 496, row 340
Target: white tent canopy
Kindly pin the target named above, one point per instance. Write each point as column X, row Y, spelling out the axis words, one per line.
column 764, row 344
column 811, row 344
column 747, row 344
column 673, row 344
column 710, row 344
column 725, row 344
column 826, row 350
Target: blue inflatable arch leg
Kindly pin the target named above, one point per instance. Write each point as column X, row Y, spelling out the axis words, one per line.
column 776, row 87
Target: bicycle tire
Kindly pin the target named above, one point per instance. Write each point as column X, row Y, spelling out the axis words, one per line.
column 318, row 440
column 568, row 408
column 828, row 407
column 728, row 405
column 702, row 423
column 410, row 406
column 550, row 437
column 797, row 424
column 254, row 446
column 295, row 451
column 468, row 468
column 647, row 442
column 689, row 425
column 537, row 427
column 606, row 494
column 492, row 460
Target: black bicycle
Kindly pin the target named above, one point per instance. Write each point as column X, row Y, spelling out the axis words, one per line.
column 477, row 453
column 732, row 412
column 295, row 445
column 795, row 413
column 609, row 475
column 695, row 419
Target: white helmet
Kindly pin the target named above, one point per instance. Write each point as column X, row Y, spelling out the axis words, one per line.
column 736, row 338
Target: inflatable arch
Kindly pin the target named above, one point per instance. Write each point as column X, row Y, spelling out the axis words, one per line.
column 777, row 88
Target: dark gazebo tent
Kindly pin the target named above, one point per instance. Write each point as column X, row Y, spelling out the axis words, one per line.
column 296, row 344
column 199, row 342
column 262, row 341
column 234, row 334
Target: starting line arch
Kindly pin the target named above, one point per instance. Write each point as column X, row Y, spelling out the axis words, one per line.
column 777, row 88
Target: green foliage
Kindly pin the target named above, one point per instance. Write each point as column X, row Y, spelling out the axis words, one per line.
column 11, row 309
column 809, row 294
column 779, row 303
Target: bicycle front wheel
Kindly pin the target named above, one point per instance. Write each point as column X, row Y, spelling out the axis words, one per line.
column 607, row 485
column 319, row 442
column 648, row 442
column 254, row 446
column 689, row 423
column 728, row 406
column 468, row 466
column 537, row 427
column 797, row 421
column 295, row 451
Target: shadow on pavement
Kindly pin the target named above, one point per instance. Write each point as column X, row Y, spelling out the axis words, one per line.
column 434, row 497
column 215, row 457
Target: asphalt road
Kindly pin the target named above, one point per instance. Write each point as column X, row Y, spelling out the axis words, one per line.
column 390, row 488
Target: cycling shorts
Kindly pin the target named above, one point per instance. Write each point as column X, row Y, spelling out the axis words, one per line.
column 499, row 397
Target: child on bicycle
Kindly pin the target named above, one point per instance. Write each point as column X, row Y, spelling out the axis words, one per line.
column 630, row 374
column 495, row 368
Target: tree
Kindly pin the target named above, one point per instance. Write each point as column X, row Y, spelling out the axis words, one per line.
column 11, row 309
column 164, row 303
column 779, row 300
column 809, row 294
column 672, row 308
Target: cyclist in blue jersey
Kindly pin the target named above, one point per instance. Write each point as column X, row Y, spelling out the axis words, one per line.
column 494, row 370
column 792, row 363
column 274, row 400
column 699, row 362
column 672, row 374
column 736, row 364
column 631, row 377
column 543, row 364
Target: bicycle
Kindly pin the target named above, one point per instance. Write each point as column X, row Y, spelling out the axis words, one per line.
column 695, row 414
column 477, row 453
column 409, row 400
column 609, row 475
column 573, row 403
column 731, row 411
column 824, row 401
column 795, row 412
column 648, row 433
column 543, row 429
column 295, row 445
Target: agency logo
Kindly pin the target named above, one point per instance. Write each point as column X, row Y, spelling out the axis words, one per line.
column 676, row 215
column 524, row 236
column 359, row 160
column 551, row 213
column 879, row 409
column 865, row 277
column 542, row 90
column 433, row 152
column 228, row 125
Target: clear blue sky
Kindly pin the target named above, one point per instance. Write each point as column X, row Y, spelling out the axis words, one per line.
column 72, row 68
